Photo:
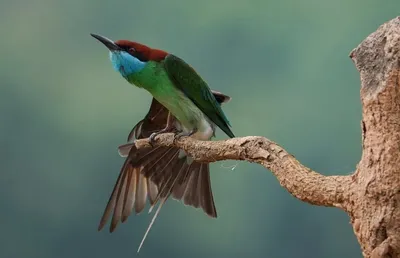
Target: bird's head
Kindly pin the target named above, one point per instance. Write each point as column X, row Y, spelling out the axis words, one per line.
column 128, row 57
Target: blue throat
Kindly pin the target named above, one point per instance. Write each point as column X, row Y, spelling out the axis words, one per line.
column 126, row 64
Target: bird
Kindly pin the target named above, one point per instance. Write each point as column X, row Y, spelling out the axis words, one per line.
column 182, row 103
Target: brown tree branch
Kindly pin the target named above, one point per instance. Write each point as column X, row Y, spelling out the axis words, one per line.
column 300, row 181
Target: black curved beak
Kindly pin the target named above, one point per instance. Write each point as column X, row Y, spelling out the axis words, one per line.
column 107, row 42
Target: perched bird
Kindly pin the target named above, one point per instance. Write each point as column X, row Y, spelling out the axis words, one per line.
column 182, row 103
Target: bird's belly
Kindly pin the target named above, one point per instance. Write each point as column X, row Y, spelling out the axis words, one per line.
column 205, row 130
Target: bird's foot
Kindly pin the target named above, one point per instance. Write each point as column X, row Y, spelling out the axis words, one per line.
column 153, row 135
column 166, row 129
column 151, row 138
column 183, row 134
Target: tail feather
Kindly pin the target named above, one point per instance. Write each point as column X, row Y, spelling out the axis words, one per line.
column 189, row 197
column 156, row 170
column 130, row 194
column 141, row 193
column 156, row 179
column 151, row 223
column 168, row 180
column 119, row 203
column 167, row 190
column 180, row 188
column 153, row 191
column 112, row 200
column 205, row 194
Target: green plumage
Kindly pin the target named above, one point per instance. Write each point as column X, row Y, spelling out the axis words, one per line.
column 183, row 92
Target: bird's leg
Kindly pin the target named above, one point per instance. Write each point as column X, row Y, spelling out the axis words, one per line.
column 168, row 127
column 182, row 134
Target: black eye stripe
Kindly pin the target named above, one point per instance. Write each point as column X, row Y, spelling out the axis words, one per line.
column 126, row 48
column 132, row 51
column 141, row 57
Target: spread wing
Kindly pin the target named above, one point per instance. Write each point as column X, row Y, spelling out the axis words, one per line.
column 196, row 89
column 157, row 173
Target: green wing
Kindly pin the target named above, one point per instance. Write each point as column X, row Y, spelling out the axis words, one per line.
column 196, row 89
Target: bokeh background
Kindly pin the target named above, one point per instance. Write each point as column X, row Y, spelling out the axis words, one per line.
column 64, row 111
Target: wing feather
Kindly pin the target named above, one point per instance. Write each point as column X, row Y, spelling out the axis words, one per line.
column 156, row 173
column 196, row 89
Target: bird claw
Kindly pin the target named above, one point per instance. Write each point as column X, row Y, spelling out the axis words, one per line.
column 152, row 138
column 167, row 128
column 184, row 134
column 153, row 135
column 176, row 136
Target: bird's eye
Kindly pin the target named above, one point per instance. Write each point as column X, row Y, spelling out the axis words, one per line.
column 132, row 50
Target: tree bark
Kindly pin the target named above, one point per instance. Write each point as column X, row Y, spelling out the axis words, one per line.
column 371, row 195
column 375, row 197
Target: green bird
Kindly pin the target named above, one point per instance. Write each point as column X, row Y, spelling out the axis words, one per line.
column 182, row 103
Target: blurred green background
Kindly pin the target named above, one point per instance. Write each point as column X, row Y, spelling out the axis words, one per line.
column 64, row 111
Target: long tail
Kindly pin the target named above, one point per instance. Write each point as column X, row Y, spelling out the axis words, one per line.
column 157, row 173
column 163, row 191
